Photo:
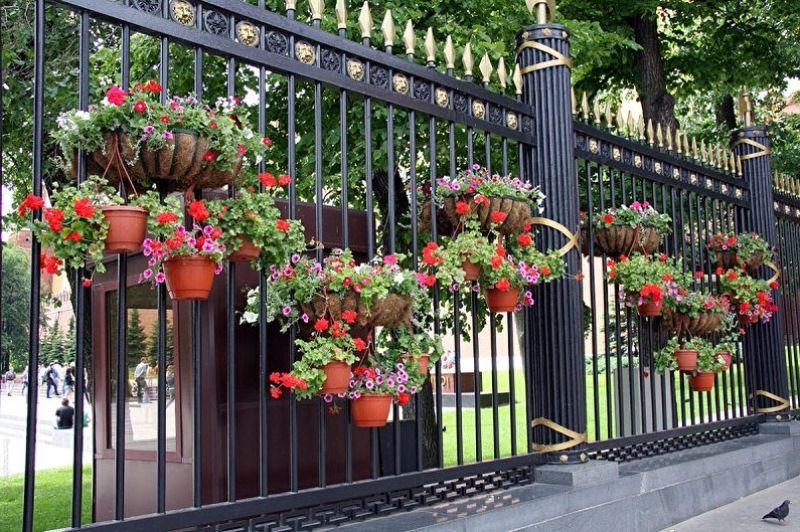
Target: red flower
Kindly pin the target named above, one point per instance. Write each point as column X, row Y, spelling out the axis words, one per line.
column 498, row 217
column 210, row 156
column 546, row 270
column 663, row 257
column 527, row 227
column 321, row 324
column 266, row 179
column 462, row 207
column 503, row 284
column 500, row 250
column 608, row 219
column 524, row 240
column 49, row 263
column 140, row 106
column 496, row 261
column 54, row 217
column 349, row 316
column 731, row 275
column 718, row 271
column 744, row 306
column 74, row 236
column 359, row 344
column 429, row 280
column 275, row 377
column 241, row 149
column 86, row 283
column 213, row 124
column 774, row 285
column 198, row 244
column 198, row 211
column 698, row 274
column 403, row 398
column 83, row 207
column 266, row 141
column 153, row 86
column 282, row 225
column 166, row 217
column 115, row 95
column 275, row 392
column 651, row 291
column 284, row 179
column 30, row 203
column 216, row 232
column 338, row 330
column 666, row 277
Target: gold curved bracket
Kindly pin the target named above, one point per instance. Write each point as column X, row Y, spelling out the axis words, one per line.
column 783, row 404
column 560, row 59
column 772, row 266
column 552, row 224
column 750, row 142
column 574, row 437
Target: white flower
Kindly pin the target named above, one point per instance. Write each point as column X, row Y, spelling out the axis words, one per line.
column 249, row 317
column 83, row 115
column 247, row 133
column 399, row 278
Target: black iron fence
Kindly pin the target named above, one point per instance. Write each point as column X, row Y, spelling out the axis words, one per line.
column 359, row 128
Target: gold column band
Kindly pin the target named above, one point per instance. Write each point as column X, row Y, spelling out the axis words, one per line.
column 783, row 404
column 750, row 142
column 575, row 438
column 560, row 59
column 552, row 224
column 772, row 266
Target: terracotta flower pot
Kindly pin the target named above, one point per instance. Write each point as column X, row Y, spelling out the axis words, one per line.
column 189, row 277
column 126, row 229
column 371, row 410
column 727, row 358
column 246, row 252
column 619, row 240
column 422, row 367
column 471, row 270
column 686, row 359
column 650, row 308
column 702, row 382
column 337, row 377
column 745, row 319
column 502, row 301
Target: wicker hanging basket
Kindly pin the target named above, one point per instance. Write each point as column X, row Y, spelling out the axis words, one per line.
column 621, row 240
column 703, row 324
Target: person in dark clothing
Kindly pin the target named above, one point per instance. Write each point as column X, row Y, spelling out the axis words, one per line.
column 65, row 415
column 51, row 378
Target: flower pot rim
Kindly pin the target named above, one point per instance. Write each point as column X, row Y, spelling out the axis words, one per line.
column 122, row 208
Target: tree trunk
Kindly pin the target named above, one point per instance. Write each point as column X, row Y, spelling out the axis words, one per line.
column 725, row 112
column 657, row 102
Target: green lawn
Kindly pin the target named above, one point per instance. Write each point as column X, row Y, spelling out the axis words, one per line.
column 53, row 500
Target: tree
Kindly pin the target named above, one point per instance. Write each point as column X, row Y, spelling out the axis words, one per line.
column 69, row 342
column 16, row 283
column 51, row 345
column 135, row 338
column 152, row 345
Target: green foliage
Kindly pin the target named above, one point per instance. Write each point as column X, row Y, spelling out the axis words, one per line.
column 136, row 338
column 151, row 351
column 477, row 182
column 640, row 272
column 692, row 303
column 634, row 215
column 747, row 246
column 315, row 354
column 16, row 281
column 402, row 344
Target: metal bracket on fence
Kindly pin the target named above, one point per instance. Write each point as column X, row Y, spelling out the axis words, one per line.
column 552, row 224
column 783, row 404
column 764, row 149
column 560, row 59
column 575, row 438
column 772, row 266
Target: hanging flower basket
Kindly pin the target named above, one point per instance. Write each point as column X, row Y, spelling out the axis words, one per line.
column 337, row 378
column 423, row 362
column 650, row 308
column 127, row 226
column 189, row 277
column 390, row 311
column 371, row 410
column 516, row 213
column 702, row 381
column 682, row 324
column 472, row 271
column 621, row 240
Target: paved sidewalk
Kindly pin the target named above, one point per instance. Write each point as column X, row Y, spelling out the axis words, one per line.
column 745, row 514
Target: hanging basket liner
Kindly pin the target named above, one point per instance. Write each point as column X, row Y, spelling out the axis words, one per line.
column 178, row 165
column 726, row 259
column 621, row 240
column 518, row 213
column 703, row 324
column 390, row 311
column 443, row 225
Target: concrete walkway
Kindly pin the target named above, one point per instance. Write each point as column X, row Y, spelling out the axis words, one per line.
column 745, row 514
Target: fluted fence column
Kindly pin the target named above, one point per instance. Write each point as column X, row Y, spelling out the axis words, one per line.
column 554, row 338
column 764, row 350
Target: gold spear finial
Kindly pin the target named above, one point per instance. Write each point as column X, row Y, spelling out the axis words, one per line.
column 719, row 156
column 596, row 110
column 486, row 68
column 501, row 73
column 631, row 124
column 724, row 160
column 341, row 15
column 365, row 21
column 686, row 148
column 467, row 60
column 517, row 79
column 430, row 46
column 659, row 135
column 732, row 162
column 703, row 152
column 409, row 39
column 742, row 107
column 640, row 127
column 739, row 168
column 387, row 26
column 291, row 5
column 651, row 133
column 669, row 138
column 574, row 101
column 317, row 7
column 695, row 153
column 620, row 117
column 449, row 53
column 609, row 115
column 748, row 117
column 585, row 106
column 678, row 144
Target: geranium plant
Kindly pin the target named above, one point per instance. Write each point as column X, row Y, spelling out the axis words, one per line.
column 747, row 249
column 378, row 378
column 252, row 220
column 147, row 123
column 458, row 258
column 74, row 229
column 692, row 303
column 752, row 297
column 647, row 280
column 479, row 182
column 417, row 350
column 666, row 357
